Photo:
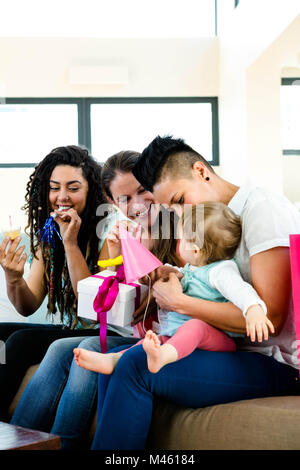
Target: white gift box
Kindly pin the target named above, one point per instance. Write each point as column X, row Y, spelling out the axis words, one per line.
column 124, row 306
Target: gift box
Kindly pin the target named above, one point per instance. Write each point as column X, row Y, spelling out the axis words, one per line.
column 127, row 300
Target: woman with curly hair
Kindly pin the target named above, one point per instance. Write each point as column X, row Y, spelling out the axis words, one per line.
column 66, row 184
column 61, row 386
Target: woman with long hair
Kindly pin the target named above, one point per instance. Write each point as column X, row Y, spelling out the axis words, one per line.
column 66, row 184
column 62, row 386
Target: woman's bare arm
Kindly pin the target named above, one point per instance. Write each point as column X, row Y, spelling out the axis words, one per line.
column 270, row 271
column 69, row 224
column 223, row 315
column 27, row 296
column 271, row 278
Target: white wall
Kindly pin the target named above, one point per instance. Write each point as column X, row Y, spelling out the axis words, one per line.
column 39, row 67
column 243, row 67
column 12, row 196
column 264, row 145
column 257, row 39
column 157, row 67
column 248, row 30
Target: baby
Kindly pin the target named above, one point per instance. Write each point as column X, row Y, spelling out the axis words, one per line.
column 210, row 234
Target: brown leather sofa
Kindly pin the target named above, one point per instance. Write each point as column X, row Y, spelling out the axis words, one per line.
column 259, row 424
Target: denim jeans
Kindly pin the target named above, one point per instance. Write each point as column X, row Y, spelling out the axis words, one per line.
column 204, row 378
column 61, row 396
column 25, row 345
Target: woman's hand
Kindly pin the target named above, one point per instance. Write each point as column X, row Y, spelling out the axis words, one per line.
column 12, row 259
column 162, row 272
column 69, row 225
column 167, row 292
column 113, row 238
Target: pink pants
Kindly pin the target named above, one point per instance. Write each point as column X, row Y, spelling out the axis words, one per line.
column 194, row 334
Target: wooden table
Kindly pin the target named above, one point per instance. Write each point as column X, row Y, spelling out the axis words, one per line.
column 18, row 438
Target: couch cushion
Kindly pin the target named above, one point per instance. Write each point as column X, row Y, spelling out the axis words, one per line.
column 29, row 373
column 258, row 424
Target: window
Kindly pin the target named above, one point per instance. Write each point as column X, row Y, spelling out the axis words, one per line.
column 131, row 125
column 31, row 128
column 290, row 117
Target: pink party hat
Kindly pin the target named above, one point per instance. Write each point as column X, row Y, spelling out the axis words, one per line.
column 137, row 260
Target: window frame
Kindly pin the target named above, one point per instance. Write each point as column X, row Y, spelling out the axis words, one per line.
column 84, row 116
column 44, row 101
column 289, row 81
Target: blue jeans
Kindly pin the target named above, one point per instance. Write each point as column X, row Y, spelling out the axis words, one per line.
column 204, row 378
column 61, row 396
column 25, row 345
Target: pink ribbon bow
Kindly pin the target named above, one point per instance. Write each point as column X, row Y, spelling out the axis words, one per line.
column 105, row 299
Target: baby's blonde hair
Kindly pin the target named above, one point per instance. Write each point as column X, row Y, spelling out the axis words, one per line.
column 214, row 228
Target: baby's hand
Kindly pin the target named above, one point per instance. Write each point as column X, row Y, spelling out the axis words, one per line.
column 258, row 324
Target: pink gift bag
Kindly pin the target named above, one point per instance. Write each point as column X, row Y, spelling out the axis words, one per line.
column 295, row 269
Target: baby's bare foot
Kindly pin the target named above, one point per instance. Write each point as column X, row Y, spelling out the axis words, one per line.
column 97, row 362
column 151, row 345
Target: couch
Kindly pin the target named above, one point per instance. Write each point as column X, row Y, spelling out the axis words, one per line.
column 257, row 424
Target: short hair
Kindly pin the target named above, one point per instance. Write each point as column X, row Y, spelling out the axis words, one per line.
column 222, row 230
column 165, row 156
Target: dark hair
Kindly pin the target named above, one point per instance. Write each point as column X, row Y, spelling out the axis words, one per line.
column 149, row 168
column 121, row 162
column 165, row 248
column 37, row 206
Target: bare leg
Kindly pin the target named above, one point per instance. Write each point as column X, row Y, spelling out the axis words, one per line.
column 158, row 355
column 97, row 362
column 190, row 335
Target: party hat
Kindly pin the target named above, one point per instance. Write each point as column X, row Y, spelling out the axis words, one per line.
column 137, row 260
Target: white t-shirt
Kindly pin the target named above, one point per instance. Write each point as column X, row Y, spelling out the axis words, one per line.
column 226, row 279
column 267, row 221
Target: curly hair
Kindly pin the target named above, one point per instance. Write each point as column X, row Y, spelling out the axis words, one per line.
column 37, row 206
